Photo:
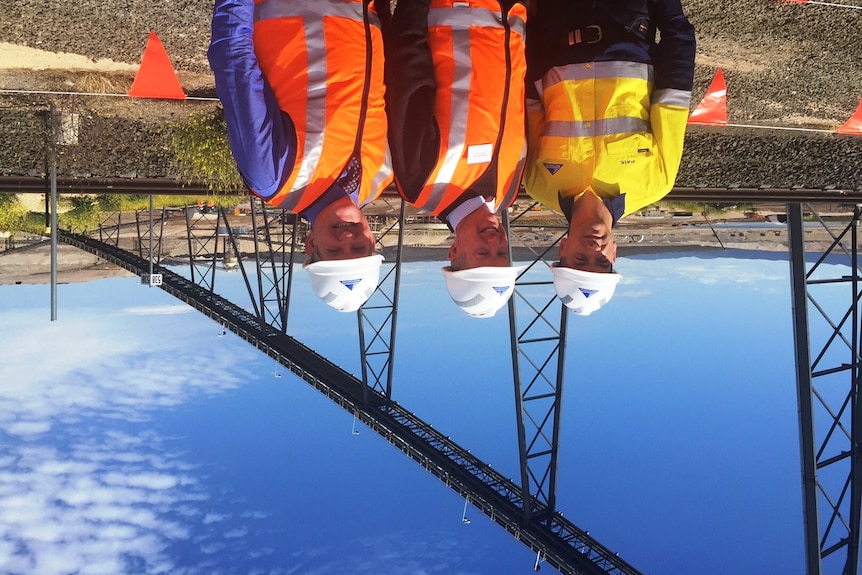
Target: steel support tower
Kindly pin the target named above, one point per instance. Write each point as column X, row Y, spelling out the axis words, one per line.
column 276, row 235
column 537, row 331
column 378, row 316
column 826, row 313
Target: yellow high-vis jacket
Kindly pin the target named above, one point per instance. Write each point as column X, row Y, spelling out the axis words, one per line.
column 601, row 125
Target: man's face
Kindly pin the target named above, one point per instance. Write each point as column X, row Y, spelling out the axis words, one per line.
column 480, row 240
column 589, row 248
column 590, row 244
column 340, row 232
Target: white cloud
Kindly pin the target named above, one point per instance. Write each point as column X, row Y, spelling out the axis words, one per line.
column 83, row 367
column 236, row 533
column 212, row 548
column 61, row 512
column 77, row 494
column 152, row 481
column 23, row 428
column 158, row 310
column 706, row 271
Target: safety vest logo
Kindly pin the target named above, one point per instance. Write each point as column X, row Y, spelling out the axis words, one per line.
column 587, row 292
column 501, row 289
column 350, row 284
column 553, row 168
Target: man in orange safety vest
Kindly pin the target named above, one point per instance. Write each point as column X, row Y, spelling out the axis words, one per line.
column 301, row 82
column 455, row 100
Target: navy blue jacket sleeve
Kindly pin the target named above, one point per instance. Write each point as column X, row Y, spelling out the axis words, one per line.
column 673, row 57
column 262, row 138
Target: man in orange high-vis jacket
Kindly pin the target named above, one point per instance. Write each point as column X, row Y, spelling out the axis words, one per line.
column 455, row 99
column 301, row 82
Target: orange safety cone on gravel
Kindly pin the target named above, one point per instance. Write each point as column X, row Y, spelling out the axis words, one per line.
column 713, row 108
column 156, row 77
column 853, row 126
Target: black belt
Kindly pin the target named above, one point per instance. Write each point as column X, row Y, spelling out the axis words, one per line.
column 591, row 34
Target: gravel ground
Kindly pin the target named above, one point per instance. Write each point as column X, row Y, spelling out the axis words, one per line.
column 787, row 65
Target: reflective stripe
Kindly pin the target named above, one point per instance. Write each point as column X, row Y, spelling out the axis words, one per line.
column 518, row 25
column 315, row 110
column 383, row 175
column 310, row 9
column 672, row 97
column 607, row 127
column 458, row 125
column 597, row 71
column 515, row 185
column 438, row 190
column 464, row 17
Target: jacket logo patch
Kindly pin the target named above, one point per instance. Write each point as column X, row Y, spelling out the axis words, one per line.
column 643, row 150
column 626, row 162
column 587, row 292
column 350, row 284
column 553, row 168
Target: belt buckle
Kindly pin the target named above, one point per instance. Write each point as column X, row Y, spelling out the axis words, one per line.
column 598, row 34
column 591, row 34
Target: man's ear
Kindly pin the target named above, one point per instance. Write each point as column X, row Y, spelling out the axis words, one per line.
column 563, row 244
column 309, row 243
column 453, row 250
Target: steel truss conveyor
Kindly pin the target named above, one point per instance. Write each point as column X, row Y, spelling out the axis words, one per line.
column 555, row 539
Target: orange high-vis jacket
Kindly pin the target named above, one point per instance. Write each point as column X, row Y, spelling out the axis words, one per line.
column 324, row 62
column 479, row 67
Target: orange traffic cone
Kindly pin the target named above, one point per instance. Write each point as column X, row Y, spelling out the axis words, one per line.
column 713, row 108
column 853, row 126
column 156, row 77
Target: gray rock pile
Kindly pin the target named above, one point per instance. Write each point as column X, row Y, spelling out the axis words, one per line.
column 787, row 65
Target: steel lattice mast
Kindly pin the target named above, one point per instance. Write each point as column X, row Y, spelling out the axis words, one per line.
column 826, row 316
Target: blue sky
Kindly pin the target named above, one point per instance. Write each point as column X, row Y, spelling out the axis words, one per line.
column 137, row 439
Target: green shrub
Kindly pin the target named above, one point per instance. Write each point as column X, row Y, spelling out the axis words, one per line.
column 201, row 151
column 13, row 214
column 84, row 216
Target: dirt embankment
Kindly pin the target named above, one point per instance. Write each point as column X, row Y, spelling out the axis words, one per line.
column 787, row 65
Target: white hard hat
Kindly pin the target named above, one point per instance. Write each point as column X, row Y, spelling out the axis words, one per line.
column 345, row 284
column 480, row 292
column 584, row 292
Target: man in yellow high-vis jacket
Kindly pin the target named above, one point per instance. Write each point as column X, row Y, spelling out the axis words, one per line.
column 607, row 108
